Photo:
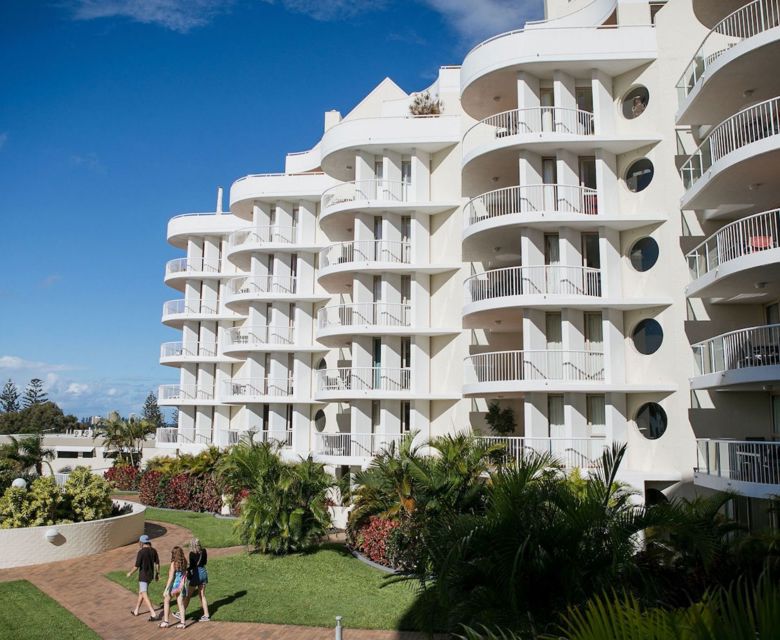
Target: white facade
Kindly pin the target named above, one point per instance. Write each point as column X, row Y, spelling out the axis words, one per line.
column 522, row 247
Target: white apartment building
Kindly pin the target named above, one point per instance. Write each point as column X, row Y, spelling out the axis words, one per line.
column 528, row 246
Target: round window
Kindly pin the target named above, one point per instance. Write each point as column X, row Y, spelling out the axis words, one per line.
column 635, row 102
column 319, row 420
column 647, row 336
column 651, row 420
column 639, row 175
column 643, row 254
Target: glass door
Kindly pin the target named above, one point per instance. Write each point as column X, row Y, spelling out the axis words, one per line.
column 552, row 261
column 377, row 253
column 376, row 313
column 550, row 180
column 556, row 427
column 591, row 260
column 593, row 358
column 552, row 364
column 584, row 97
column 587, row 175
column 377, row 363
column 379, row 174
column 406, row 179
column 547, row 103
column 595, row 408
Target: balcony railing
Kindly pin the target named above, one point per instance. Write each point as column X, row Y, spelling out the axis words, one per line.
column 531, row 198
column 742, row 238
column 364, row 445
column 363, row 190
column 366, row 251
column 191, row 265
column 376, row 314
column 259, row 335
column 364, row 379
column 182, row 350
column 558, row 120
column 551, row 364
column 262, row 285
column 173, row 435
column 253, row 387
column 533, row 280
column 750, row 125
column 740, row 460
column 747, row 21
column 572, row 453
column 267, row 234
column 742, row 349
column 189, row 307
column 173, row 392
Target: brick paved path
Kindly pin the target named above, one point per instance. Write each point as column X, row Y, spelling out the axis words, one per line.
column 81, row 587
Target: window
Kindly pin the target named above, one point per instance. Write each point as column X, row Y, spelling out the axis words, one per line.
column 555, row 423
column 594, row 332
column 643, row 254
column 375, row 416
column 595, row 409
column 67, row 454
column 639, row 175
column 319, row 420
column 406, row 171
column 406, row 416
column 772, row 313
column 406, row 352
column 647, row 336
column 651, row 420
column 635, row 102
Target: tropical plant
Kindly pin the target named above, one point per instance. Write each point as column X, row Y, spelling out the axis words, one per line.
column 423, row 104
column 27, row 454
column 124, row 438
column 42, row 503
column 88, row 496
column 123, row 477
column 501, row 421
column 9, row 398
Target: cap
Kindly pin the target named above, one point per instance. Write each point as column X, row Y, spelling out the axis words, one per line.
column 144, row 539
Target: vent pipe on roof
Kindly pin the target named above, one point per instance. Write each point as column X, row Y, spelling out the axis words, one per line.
column 219, row 201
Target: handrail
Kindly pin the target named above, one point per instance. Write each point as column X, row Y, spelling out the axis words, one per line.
column 188, row 265
column 185, row 392
column 749, row 125
column 530, row 198
column 174, row 435
column 282, row 174
column 540, row 364
column 193, row 349
column 379, row 314
column 739, row 460
column 737, row 239
column 364, row 379
column 741, row 349
column 533, row 280
column 744, row 23
column 260, row 334
column 265, row 386
column 206, row 213
column 392, row 251
column 572, row 453
column 366, row 190
column 353, row 444
column 263, row 284
column 270, row 233
column 194, row 306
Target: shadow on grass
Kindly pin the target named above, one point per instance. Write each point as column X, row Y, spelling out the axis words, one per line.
column 154, row 530
column 217, row 604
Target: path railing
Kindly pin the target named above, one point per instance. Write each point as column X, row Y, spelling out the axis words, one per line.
column 551, row 364
column 742, row 460
column 741, row 349
column 533, row 280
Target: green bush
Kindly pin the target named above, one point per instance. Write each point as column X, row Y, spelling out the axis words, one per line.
column 41, row 504
column 88, row 496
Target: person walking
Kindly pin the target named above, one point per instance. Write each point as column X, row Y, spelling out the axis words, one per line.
column 175, row 587
column 147, row 563
column 199, row 578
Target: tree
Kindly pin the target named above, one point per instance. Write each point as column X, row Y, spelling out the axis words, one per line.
column 34, row 394
column 152, row 413
column 25, row 454
column 125, row 438
column 37, row 418
column 9, row 398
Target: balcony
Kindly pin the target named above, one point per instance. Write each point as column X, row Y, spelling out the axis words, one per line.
column 351, row 448
column 732, row 58
column 751, row 468
column 345, row 383
column 572, row 453
column 367, row 317
column 251, row 390
column 178, row 352
column 516, row 372
column 741, row 254
column 173, row 395
column 176, row 312
column 178, row 271
column 736, row 164
column 267, row 238
column 174, row 438
column 196, row 225
column 271, row 187
column 747, row 358
column 266, row 288
column 258, row 338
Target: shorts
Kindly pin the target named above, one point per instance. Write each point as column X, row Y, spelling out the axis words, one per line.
column 143, row 587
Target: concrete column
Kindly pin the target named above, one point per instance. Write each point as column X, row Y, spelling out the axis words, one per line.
column 421, row 176
column 535, row 415
column 614, row 347
column 606, row 183
column 603, row 105
column 527, row 90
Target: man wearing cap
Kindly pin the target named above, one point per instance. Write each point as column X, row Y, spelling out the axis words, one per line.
column 147, row 563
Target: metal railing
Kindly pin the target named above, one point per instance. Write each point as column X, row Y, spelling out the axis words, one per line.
column 750, row 125
column 741, row 238
column 531, row 198
column 275, row 436
column 572, row 453
column 559, row 120
column 272, row 233
column 174, row 435
column 366, row 251
column 533, row 280
column 741, row 349
column 262, row 284
column 550, row 364
column 747, row 21
column 185, row 392
column 353, row 444
column 377, row 314
column 260, row 335
column 255, row 387
column 188, row 350
column 364, row 379
column 364, row 190
column 189, row 307
column 191, row 265
column 741, row 460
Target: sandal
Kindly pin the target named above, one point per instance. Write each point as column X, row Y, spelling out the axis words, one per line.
column 181, row 625
column 133, row 613
column 153, row 618
column 164, row 625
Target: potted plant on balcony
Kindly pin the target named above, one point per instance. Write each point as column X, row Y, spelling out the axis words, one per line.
column 424, row 104
column 501, row 421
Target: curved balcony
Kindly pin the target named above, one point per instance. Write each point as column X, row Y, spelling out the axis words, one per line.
column 572, row 453
column 516, row 372
column 351, row 448
column 266, row 238
column 736, row 163
column 732, row 59
column 178, row 271
column 710, row 12
column 175, row 438
column 176, row 353
column 252, row 338
column 267, row 288
column 254, row 390
column 367, row 256
column 176, row 312
column 742, row 256
column 748, row 358
column 196, row 225
column 173, row 395
column 364, row 318
column 351, row 383
column 271, row 187
column 748, row 467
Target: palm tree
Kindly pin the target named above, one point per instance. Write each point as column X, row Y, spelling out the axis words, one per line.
column 125, row 437
column 27, row 453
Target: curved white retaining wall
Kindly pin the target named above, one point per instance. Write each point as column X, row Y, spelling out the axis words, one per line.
column 28, row 545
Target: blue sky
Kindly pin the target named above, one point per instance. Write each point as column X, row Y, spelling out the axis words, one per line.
column 118, row 114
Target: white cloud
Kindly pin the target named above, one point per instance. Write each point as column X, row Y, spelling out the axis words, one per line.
column 3, row 139
column 476, row 20
column 77, row 388
column 15, row 363
column 177, row 15
column 327, row 10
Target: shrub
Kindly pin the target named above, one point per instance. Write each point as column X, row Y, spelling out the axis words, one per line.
column 151, row 489
column 40, row 504
column 88, row 496
column 205, row 495
column 176, row 492
column 123, row 477
column 371, row 539
column 405, row 545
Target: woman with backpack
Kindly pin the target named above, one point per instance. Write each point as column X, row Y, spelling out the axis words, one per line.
column 198, row 576
column 175, row 587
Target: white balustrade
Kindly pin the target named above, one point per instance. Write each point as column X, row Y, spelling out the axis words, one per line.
column 259, row 387
column 572, row 453
column 390, row 251
column 173, row 435
column 533, row 280
column 531, row 198
column 376, row 314
column 388, row 191
column 742, row 349
column 747, row 21
column 267, row 234
column 259, row 335
column 740, row 460
column 550, row 364
column 274, row 436
column 364, row 379
column 189, row 350
column 745, row 127
column 185, row 392
column 262, row 285
column 191, row 265
column 189, row 307
column 363, row 445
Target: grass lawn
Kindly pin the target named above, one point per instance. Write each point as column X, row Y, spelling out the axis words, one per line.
column 29, row 614
column 306, row 589
column 212, row 532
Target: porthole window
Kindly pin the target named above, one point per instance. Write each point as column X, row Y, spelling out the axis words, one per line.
column 651, row 420
column 639, row 175
column 319, row 420
column 647, row 336
column 635, row 102
column 644, row 254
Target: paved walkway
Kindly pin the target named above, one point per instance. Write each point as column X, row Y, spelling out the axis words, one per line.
column 81, row 587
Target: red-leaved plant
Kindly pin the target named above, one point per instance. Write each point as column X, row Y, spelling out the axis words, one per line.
column 371, row 539
column 123, row 477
